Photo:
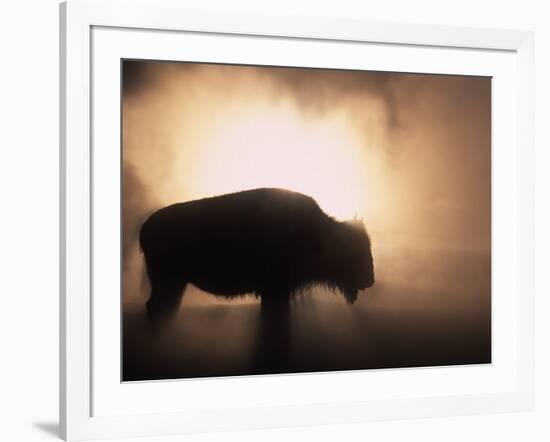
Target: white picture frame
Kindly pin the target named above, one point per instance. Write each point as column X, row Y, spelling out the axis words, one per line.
column 78, row 420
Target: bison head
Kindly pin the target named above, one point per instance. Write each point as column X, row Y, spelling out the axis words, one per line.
column 351, row 258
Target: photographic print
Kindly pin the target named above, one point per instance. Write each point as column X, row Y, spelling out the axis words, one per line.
column 299, row 220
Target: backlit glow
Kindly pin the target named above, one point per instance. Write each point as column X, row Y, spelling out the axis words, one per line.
column 277, row 147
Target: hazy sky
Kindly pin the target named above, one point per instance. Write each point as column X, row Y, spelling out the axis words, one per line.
column 410, row 153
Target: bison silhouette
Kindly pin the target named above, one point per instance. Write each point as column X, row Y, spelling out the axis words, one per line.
column 270, row 242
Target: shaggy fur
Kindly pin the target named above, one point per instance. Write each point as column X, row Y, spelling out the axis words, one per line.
column 270, row 242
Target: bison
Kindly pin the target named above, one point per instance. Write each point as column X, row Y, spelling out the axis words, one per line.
column 269, row 242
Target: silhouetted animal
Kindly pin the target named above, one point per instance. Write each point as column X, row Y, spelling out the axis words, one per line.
column 270, row 242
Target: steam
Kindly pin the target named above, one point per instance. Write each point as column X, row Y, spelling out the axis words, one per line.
column 425, row 145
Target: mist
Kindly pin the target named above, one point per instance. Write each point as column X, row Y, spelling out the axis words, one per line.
column 419, row 174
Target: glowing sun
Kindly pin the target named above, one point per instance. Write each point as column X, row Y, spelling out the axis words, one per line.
column 280, row 147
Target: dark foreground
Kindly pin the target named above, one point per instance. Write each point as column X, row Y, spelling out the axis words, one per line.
column 410, row 324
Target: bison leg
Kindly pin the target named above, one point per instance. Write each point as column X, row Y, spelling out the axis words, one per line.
column 274, row 338
column 275, row 306
column 165, row 298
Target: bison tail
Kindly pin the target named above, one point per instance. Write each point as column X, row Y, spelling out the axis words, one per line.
column 144, row 280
